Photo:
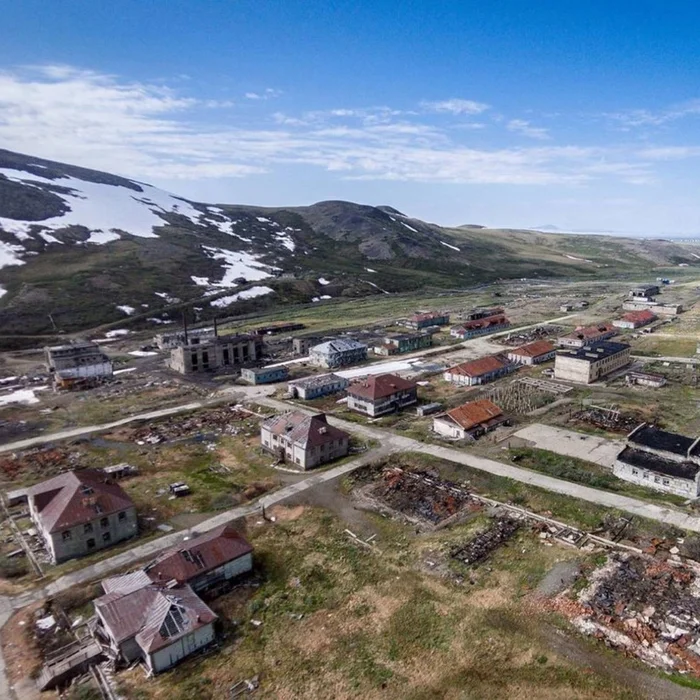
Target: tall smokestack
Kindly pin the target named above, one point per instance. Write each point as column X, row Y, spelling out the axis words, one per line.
column 216, row 328
column 184, row 325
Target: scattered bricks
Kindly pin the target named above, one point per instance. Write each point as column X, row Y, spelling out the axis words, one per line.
column 607, row 419
column 481, row 546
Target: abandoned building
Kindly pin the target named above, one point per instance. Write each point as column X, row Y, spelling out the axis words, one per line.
column 316, row 386
column 478, row 314
column 470, row 420
column 635, row 319
column 380, row 394
column 654, row 381
column 585, row 335
column 204, row 562
column 264, row 375
column 644, row 291
column 591, row 362
column 301, row 346
column 278, row 328
column 480, row 371
column 338, row 353
column 155, row 623
column 483, row 326
column 574, row 305
column 77, row 364
column 426, row 320
column 80, row 512
column 666, row 308
column 223, row 352
column 533, row 353
column 303, row 441
column 175, row 339
column 404, row 342
column 660, row 460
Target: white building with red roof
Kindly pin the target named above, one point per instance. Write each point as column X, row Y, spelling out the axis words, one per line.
column 79, row 512
column 380, row 394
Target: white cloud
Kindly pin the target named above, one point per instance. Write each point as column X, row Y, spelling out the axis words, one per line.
column 267, row 94
column 520, row 126
column 456, row 106
column 646, row 117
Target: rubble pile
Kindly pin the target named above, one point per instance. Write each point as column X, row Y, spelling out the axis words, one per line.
column 528, row 336
column 648, row 608
column 220, row 420
column 482, row 545
column 607, row 419
column 39, row 463
column 421, row 495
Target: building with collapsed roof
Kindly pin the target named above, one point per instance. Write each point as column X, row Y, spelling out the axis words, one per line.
column 403, row 342
column 661, row 460
column 470, row 420
column 316, row 386
column 80, row 512
column 191, row 336
column 338, row 353
column 303, row 441
column 591, row 362
column 655, row 381
column 77, row 364
column 379, row 394
column 222, row 352
column 533, row 353
column 481, row 371
column 481, row 326
column 426, row 320
column 667, row 308
column 635, row 319
column 585, row 335
column 155, row 623
column 644, row 291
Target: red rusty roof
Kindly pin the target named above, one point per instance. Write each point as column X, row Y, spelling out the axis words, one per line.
column 379, row 387
column 76, row 498
column 589, row 332
column 154, row 615
column 474, row 413
column 640, row 317
column 534, row 349
column 475, row 368
column 199, row 555
column 484, row 322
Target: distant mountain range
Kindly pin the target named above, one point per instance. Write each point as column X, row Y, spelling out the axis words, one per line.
column 81, row 248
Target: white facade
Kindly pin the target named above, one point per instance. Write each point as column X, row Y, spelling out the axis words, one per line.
column 445, row 426
column 99, row 369
column 584, row 370
column 167, row 657
column 657, row 480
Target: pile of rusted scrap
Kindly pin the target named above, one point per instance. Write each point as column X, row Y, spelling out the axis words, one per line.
column 213, row 421
column 610, row 419
column 421, row 495
column 484, row 543
column 647, row 607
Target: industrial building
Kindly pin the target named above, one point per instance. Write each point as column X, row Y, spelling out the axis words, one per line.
column 635, row 319
column 338, row 353
column 591, row 362
column 661, row 460
column 264, row 375
column 667, row 308
column 654, row 381
column 644, row 291
column 219, row 353
column 78, row 364
column 175, row 339
column 426, row 320
column 380, row 394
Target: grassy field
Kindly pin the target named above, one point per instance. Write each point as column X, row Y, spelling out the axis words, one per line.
column 336, row 621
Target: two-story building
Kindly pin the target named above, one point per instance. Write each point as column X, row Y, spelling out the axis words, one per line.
column 405, row 342
column 377, row 395
column 481, row 371
column 80, row 512
column 303, row 441
column 661, row 460
column 316, row 386
column 482, row 326
column 426, row 320
column 591, row 362
column 585, row 335
column 338, row 353
column 80, row 363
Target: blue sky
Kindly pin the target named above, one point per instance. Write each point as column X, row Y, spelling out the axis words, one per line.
column 584, row 115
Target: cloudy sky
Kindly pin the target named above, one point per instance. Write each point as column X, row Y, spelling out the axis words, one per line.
column 581, row 115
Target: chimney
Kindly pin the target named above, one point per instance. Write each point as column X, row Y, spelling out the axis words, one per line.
column 184, row 325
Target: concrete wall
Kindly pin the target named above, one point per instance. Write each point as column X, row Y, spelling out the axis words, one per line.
column 384, row 405
column 656, row 480
column 337, row 359
column 584, row 371
column 170, row 655
column 301, row 458
column 527, row 360
column 212, row 356
column 447, row 428
column 312, row 392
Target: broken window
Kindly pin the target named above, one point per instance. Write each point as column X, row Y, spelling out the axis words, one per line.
column 106, row 536
column 195, row 360
column 104, row 523
column 66, row 534
column 205, row 359
column 122, row 516
column 227, row 357
column 90, row 543
column 87, row 528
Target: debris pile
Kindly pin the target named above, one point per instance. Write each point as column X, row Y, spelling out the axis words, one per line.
column 219, row 420
column 528, row 336
column 420, row 495
column 647, row 608
column 483, row 544
column 41, row 463
column 610, row 419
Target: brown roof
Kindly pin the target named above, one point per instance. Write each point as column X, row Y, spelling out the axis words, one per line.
column 426, row 316
column 474, row 413
column 77, row 497
column 585, row 332
column 645, row 316
column 380, row 386
column 475, row 368
column 535, row 349
column 305, row 431
column 199, row 555
column 154, row 615
column 484, row 322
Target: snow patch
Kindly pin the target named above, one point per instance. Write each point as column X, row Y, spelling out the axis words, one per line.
column 237, row 264
column 8, row 253
column 453, row 247
column 245, row 294
column 49, row 238
column 124, row 371
column 158, row 320
column 25, row 396
column 573, row 257
column 263, row 220
column 376, row 286
column 128, row 310
column 165, row 296
column 117, row 332
column 200, row 281
column 142, row 353
column 410, row 228
column 323, row 281
column 369, row 269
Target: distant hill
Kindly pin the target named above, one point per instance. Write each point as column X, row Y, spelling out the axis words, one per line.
column 81, row 248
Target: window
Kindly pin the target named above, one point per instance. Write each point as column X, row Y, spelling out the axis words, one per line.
column 666, row 482
column 635, row 472
column 205, row 359
column 122, row 516
column 87, row 528
column 91, row 543
column 66, row 534
column 104, row 523
column 106, row 536
column 195, row 360
column 657, row 480
column 227, row 357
